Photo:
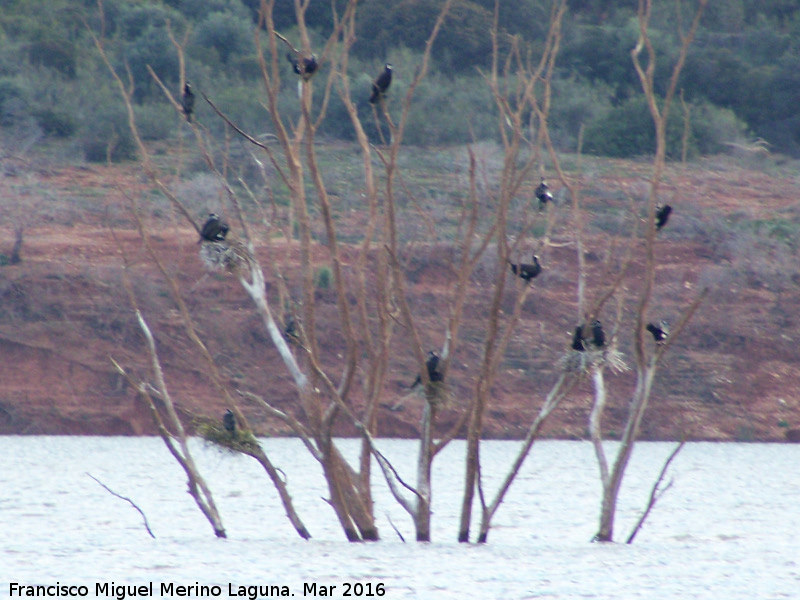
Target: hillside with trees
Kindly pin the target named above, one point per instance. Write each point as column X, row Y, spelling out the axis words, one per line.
column 740, row 82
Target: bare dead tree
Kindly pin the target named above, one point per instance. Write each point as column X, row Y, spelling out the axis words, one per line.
column 254, row 449
column 646, row 361
column 393, row 289
column 593, row 361
column 177, row 442
column 320, row 399
column 514, row 88
column 372, row 295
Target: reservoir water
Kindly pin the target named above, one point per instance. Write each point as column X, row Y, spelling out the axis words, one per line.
column 728, row 528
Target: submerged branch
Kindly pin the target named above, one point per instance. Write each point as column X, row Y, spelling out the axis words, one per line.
column 131, row 502
column 656, row 493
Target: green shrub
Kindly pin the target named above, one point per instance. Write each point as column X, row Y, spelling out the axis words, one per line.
column 155, row 121
column 135, row 18
column 55, row 123
column 323, row 278
column 451, row 111
column 627, row 131
column 227, row 34
column 13, row 100
column 151, row 49
column 55, row 54
column 713, row 127
column 575, row 103
column 105, row 132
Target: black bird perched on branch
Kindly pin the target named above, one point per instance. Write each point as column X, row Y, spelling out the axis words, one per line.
column 577, row 339
column 291, row 333
column 660, row 332
column 381, row 85
column 431, row 364
column 229, row 421
column 526, row 271
column 214, row 229
column 187, row 101
column 662, row 215
column 302, row 65
column 598, row 336
column 543, row 194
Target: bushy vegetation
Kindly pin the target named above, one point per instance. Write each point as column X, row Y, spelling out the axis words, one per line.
column 740, row 80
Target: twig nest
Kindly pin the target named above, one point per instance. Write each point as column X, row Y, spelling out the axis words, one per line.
column 576, row 361
column 437, row 393
column 615, row 360
column 234, row 441
column 573, row 361
column 231, row 256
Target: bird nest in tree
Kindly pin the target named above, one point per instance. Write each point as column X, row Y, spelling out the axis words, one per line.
column 233, row 441
column 436, row 392
column 230, row 256
column 615, row 360
column 576, row 361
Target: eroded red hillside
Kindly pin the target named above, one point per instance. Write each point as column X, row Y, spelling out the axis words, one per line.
column 733, row 375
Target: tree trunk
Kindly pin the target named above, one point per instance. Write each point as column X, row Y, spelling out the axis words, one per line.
column 473, row 459
column 613, row 483
column 422, row 517
column 15, row 257
column 259, row 454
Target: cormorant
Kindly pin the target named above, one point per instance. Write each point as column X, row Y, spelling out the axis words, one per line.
column 598, row 337
column 660, row 332
column 662, row 215
column 432, row 363
column 187, row 101
column 577, row 339
column 302, row 65
column 526, row 271
column 229, row 421
column 290, row 333
column 214, row 229
column 543, row 194
column 381, row 85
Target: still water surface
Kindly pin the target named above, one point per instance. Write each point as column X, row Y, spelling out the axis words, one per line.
column 728, row 528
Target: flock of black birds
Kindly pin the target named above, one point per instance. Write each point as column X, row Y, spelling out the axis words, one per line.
column 215, row 230
column 597, row 339
column 305, row 67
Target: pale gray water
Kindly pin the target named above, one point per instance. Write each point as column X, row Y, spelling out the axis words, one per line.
column 728, row 528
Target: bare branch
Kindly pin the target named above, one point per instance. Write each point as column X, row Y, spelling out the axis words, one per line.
column 655, row 494
column 131, row 502
column 248, row 137
column 290, row 420
column 391, row 475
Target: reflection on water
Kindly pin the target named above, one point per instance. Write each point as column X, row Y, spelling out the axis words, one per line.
column 727, row 529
